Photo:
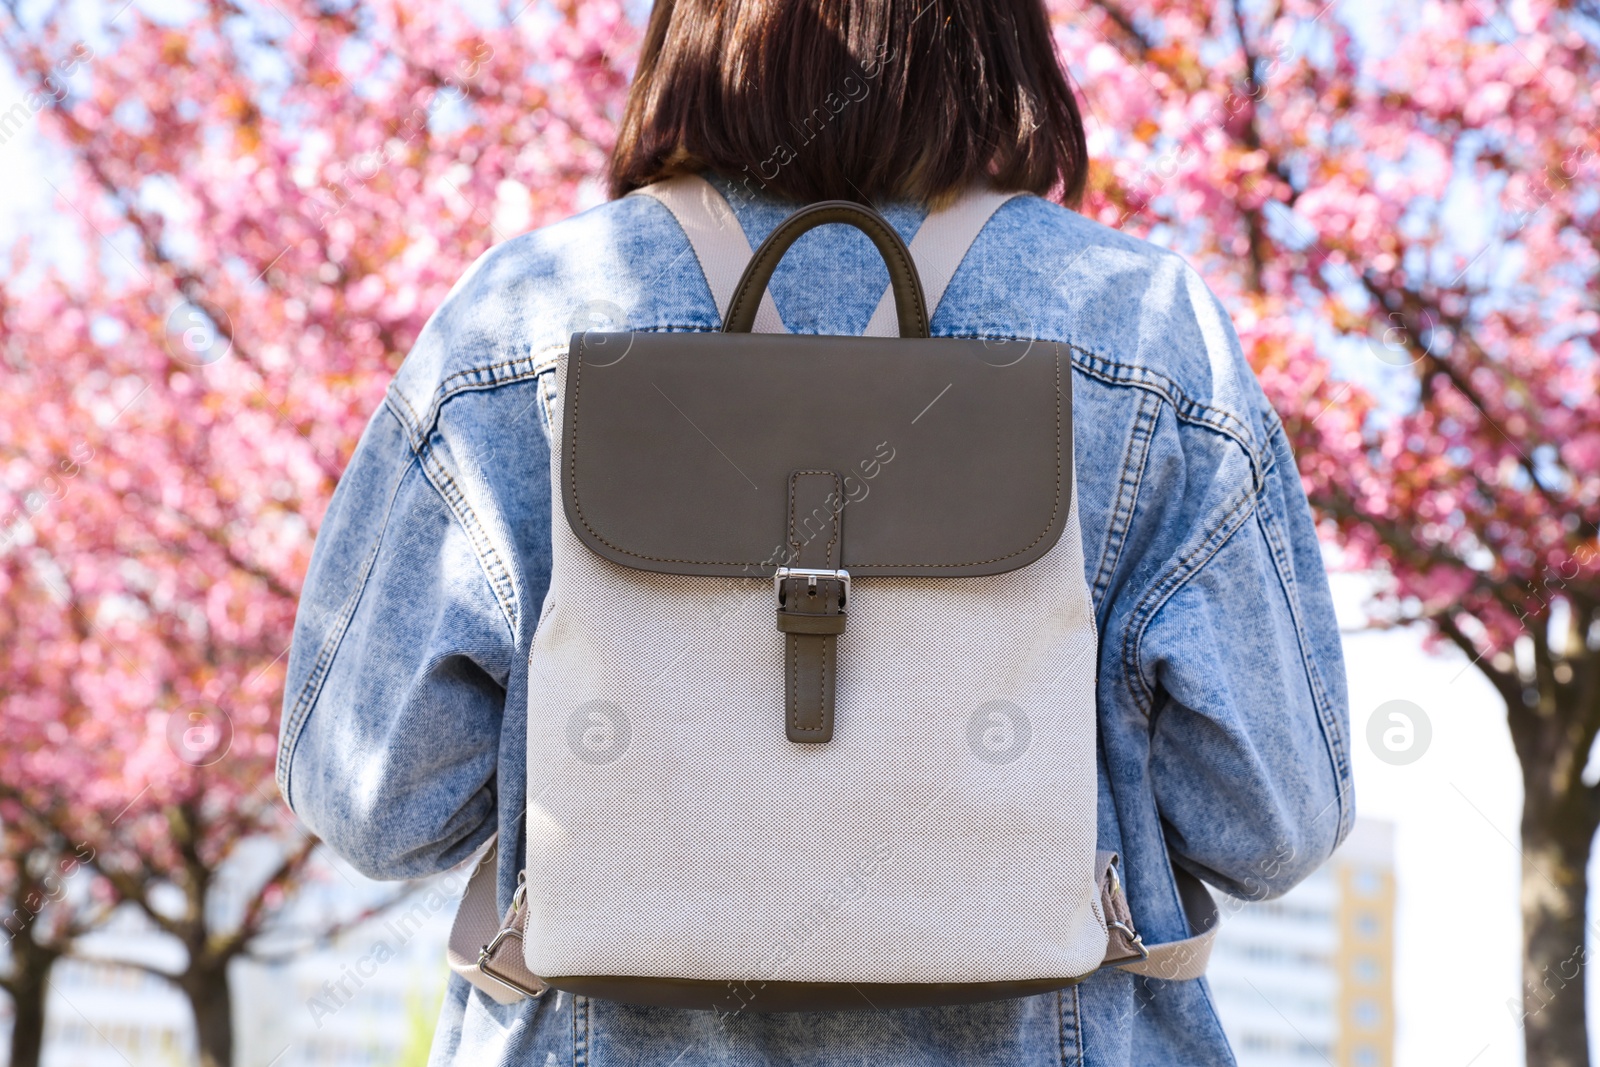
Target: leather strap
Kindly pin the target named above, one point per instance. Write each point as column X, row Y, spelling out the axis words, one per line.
column 938, row 249
column 904, row 283
column 717, row 239
column 811, row 607
column 719, row 243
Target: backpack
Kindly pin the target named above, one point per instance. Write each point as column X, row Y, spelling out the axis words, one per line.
column 811, row 700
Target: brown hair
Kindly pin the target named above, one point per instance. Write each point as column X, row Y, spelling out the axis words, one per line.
column 853, row 99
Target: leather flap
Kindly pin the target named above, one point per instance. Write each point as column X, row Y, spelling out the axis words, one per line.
column 954, row 454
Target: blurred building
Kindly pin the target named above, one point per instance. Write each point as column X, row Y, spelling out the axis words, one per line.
column 1308, row 979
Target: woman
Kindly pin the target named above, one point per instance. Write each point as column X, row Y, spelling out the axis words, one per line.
column 1223, row 734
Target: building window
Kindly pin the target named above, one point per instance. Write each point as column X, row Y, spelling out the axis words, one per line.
column 1366, row 882
column 1366, row 969
column 1366, row 1014
column 1366, row 1056
column 1367, row 924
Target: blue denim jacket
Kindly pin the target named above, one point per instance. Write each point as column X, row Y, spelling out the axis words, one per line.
column 1224, row 736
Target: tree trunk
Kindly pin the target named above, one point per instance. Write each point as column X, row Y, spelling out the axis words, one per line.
column 1555, row 885
column 27, row 989
column 211, row 1001
column 28, row 982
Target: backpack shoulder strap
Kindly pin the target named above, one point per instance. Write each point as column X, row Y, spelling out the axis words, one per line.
column 1187, row 957
column 718, row 241
column 481, row 948
column 938, row 247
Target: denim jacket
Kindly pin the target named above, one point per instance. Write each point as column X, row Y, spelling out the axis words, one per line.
column 1223, row 727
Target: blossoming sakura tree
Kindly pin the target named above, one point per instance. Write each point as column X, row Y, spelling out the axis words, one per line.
column 1399, row 208
column 265, row 202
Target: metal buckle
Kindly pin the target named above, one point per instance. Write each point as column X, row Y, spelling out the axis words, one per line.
column 508, row 929
column 486, row 955
column 813, row 574
column 1132, row 935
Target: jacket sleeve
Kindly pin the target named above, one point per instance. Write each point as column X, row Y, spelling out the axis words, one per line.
column 1249, row 723
column 397, row 673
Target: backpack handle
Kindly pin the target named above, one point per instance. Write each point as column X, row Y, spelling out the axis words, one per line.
column 910, row 306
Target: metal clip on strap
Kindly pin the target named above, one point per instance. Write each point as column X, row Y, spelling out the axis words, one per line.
column 486, row 948
column 503, row 963
column 1177, row 960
